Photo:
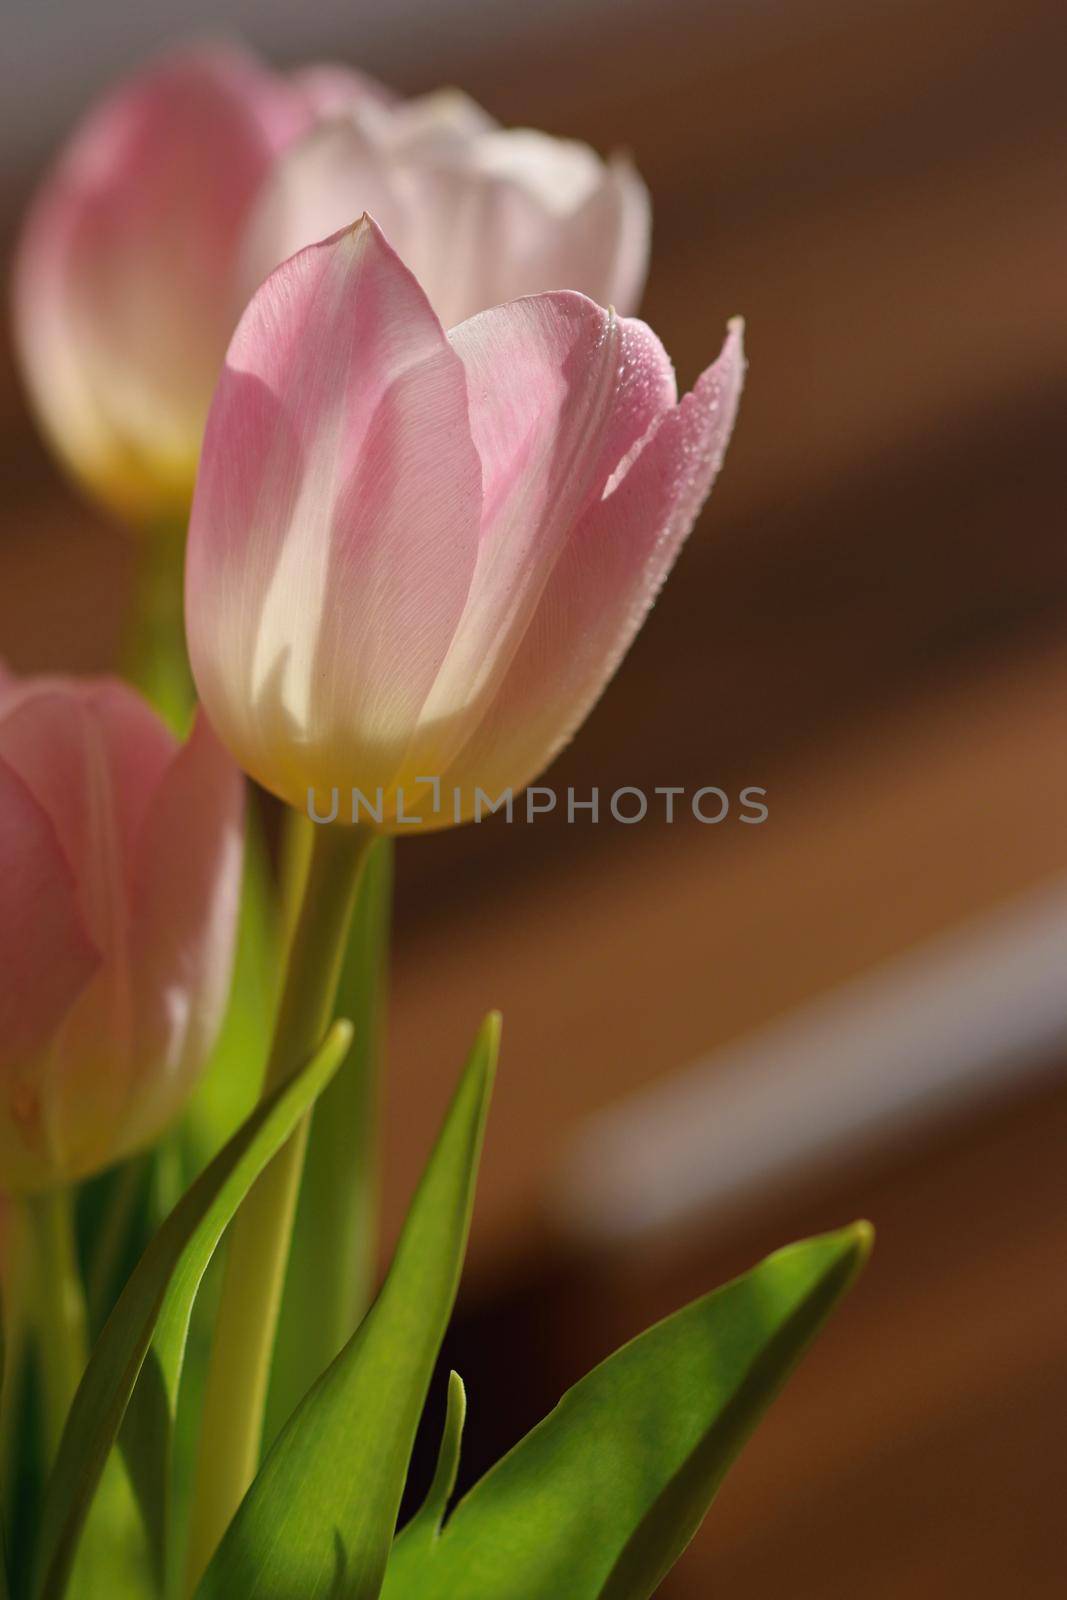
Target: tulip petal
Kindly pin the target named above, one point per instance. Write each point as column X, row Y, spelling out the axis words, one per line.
column 602, row 587
column 323, row 183
column 92, row 754
column 336, row 520
column 185, row 891
column 437, row 124
column 561, row 393
column 123, row 278
column 46, row 954
column 404, row 165
column 614, row 233
column 333, row 90
column 480, row 214
column 514, row 213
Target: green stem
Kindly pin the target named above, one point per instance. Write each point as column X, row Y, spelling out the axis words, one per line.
column 156, row 659
column 232, row 1424
column 334, row 1253
column 61, row 1324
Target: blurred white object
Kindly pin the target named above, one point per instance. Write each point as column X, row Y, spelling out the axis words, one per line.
column 932, row 1031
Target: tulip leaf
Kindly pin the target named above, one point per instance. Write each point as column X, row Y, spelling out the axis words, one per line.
column 320, row 1517
column 152, row 1314
column 426, row 1523
column 333, row 1256
column 599, row 1501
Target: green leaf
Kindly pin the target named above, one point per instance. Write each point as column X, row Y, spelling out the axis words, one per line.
column 333, row 1256
column 598, row 1502
column 319, row 1519
column 425, row 1525
column 153, row 1310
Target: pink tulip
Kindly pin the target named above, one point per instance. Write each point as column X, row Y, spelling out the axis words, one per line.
column 120, row 859
column 481, row 214
column 417, row 555
column 193, row 180
column 126, row 282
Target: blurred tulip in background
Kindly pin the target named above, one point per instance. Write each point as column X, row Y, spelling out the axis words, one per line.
column 481, row 214
column 124, row 282
column 184, row 187
column 120, row 861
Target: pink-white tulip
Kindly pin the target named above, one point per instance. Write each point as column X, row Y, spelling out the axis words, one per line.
column 420, row 556
column 481, row 214
column 187, row 185
column 126, row 280
column 120, row 857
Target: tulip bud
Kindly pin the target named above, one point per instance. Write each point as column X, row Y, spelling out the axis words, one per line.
column 120, row 859
column 480, row 214
column 126, row 280
column 416, row 558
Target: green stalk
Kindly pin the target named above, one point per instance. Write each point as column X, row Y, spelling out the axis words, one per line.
column 62, row 1337
column 334, row 1254
column 232, row 1423
column 156, row 660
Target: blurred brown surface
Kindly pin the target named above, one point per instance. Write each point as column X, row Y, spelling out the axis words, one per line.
column 868, row 621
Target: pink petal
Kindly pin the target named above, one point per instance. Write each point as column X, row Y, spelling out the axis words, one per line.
column 480, row 214
column 323, row 183
column 124, row 279
column 333, row 90
column 613, row 235
column 440, row 124
column 513, row 213
column 46, row 954
column 335, row 525
column 603, row 585
column 92, row 753
column 384, row 159
column 561, row 392
column 185, row 893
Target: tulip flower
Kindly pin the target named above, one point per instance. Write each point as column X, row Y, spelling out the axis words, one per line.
column 125, row 281
column 416, row 558
column 187, row 185
column 120, row 857
column 481, row 214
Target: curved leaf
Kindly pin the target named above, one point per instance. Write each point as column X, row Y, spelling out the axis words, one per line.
column 160, row 1295
column 427, row 1522
column 319, row 1519
column 598, row 1502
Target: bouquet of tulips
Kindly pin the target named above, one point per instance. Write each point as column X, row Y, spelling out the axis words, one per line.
column 347, row 361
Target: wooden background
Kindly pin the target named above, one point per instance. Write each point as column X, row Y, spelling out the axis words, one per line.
column 871, row 621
